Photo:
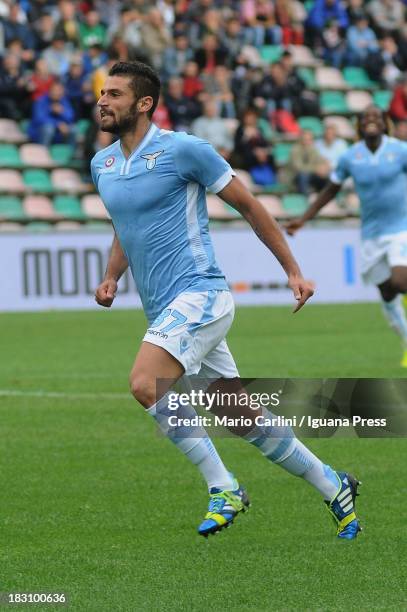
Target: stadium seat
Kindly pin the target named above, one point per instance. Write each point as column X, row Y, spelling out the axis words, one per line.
column 308, row 76
column 357, row 101
column 329, row 78
column 312, row 124
column 352, row 204
column 281, row 151
column 96, row 226
column 38, row 180
column 382, row 98
column 82, row 126
column 61, row 154
column 217, row 209
column 333, row 102
column 38, row 226
column 270, row 53
column 36, row 155
column 10, row 131
column 65, row 179
column 68, row 206
column 295, row 203
column 302, row 56
column 9, row 156
column 11, row 208
column 11, row 181
column 63, row 226
column 357, row 78
column 39, row 207
column 344, row 127
column 332, row 210
column 273, row 205
column 9, row 226
column 93, row 207
column 246, row 179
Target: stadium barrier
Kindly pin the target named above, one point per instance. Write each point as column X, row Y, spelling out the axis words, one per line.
column 61, row 270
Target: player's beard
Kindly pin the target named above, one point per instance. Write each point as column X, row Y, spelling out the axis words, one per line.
column 127, row 123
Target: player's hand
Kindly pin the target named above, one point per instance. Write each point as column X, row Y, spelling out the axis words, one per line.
column 302, row 290
column 292, row 226
column 106, row 292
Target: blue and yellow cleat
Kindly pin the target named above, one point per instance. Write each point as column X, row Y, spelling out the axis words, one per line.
column 342, row 507
column 223, row 507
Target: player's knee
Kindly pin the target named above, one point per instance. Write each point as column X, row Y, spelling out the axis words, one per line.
column 399, row 282
column 143, row 389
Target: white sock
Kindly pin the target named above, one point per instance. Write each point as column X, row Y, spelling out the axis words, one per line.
column 396, row 317
column 193, row 442
column 279, row 445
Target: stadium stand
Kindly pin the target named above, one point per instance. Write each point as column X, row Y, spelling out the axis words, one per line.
column 282, row 70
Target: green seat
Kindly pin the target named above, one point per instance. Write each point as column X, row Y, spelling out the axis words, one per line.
column 281, row 152
column 62, row 153
column 382, row 98
column 68, row 206
column 270, row 53
column 38, row 180
column 10, row 156
column 11, row 208
column 82, row 126
column 333, row 102
column 313, row 124
column 308, row 76
column 96, row 226
column 230, row 210
column 295, row 203
column 358, row 78
column 38, row 226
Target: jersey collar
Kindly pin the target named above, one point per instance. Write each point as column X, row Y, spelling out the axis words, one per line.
column 125, row 167
column 378, row 151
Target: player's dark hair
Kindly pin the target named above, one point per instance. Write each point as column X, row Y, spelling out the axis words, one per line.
column 143, row 80
column 388, row 125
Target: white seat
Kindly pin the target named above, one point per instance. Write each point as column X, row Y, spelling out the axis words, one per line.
column 65, row 179
column 303, row 56
column 217, row 208
column 357, row 101
column 93, row 207
column 344, row 127
column 39, row 207
column 330, row 78
column 36, row 155
column 273, row 205
column 10, row 132
column 11, row 181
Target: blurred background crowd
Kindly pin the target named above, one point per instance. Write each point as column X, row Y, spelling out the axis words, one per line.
column 229, row 71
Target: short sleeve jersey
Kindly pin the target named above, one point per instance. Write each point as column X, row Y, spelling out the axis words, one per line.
column 380, row 182
column 157, row 201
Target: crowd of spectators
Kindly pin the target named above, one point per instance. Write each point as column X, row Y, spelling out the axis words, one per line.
column 55, row 55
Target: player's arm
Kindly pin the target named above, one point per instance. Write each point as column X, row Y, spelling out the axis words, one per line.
column 327, row 194
column 116, row 266
column 267, row 229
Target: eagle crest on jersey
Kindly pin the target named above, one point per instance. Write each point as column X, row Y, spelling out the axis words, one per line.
column 151, row 159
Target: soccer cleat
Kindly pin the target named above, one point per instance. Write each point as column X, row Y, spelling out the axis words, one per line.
column 222, row 509
column 342, row 507
column 404, row 359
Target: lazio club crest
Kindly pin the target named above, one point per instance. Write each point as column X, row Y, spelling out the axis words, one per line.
column 151, row 159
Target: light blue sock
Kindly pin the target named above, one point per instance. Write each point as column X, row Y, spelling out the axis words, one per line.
column 396, row 317
column 279, row 445
column 193, row 442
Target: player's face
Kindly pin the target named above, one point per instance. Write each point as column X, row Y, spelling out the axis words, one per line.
column 117, row 105
column 372, row 123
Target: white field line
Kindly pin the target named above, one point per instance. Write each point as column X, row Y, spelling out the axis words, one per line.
column 64, row 395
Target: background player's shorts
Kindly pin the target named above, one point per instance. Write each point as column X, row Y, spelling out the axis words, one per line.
column 381, row 254
column 193, row 328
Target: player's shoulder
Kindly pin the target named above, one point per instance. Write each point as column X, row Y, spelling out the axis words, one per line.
column 396, row 144
column 106, row 153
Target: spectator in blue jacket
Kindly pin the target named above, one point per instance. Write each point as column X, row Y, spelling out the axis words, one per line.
column 53, row 118
column 322, row 12
column 361, row 40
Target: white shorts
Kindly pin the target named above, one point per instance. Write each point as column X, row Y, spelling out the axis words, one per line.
column 193, row 328
column 381, row 254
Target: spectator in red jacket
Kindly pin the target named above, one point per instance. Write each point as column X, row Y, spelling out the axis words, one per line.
column 398, row 105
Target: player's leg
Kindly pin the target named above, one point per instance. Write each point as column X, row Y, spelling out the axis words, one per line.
column 384, row 264
column 153, row 373
column 279, row 443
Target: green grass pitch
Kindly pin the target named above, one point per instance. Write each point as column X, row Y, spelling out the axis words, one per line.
column 96, row 504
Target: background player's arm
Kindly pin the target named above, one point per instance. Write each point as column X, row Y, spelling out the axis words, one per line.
column 267, row 229
column 327, row 194
column 116, row 266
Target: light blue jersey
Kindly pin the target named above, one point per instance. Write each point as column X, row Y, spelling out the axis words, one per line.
column 380, row 182
column 157, row 202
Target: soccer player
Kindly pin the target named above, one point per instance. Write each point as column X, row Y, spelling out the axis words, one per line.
column 378, row 166
column 153, row 183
